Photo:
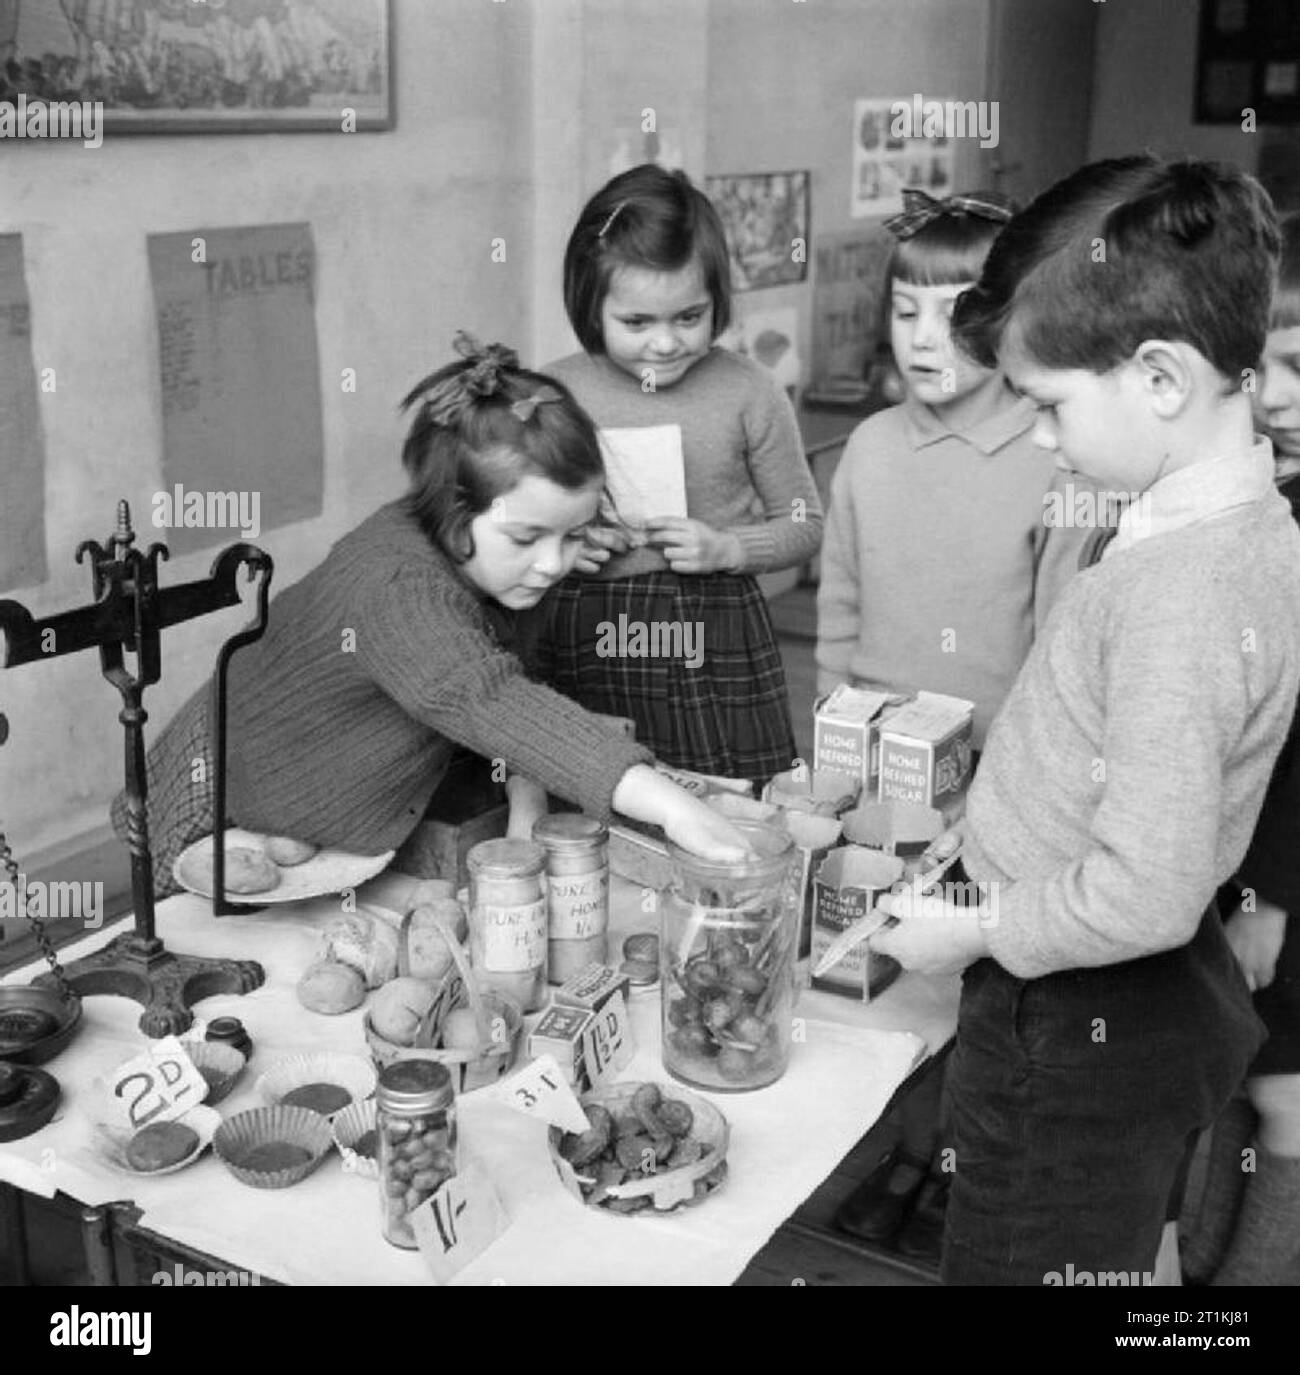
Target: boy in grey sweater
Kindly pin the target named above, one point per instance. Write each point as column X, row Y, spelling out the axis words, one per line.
column 1104, row 1021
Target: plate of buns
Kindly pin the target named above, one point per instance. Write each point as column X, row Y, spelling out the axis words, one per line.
column 273, row 869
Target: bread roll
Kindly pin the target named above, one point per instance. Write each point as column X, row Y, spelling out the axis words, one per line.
column 247, row 871
column 287, row 851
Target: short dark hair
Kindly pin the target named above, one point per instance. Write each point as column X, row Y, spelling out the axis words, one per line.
column 458, row 466
column 1126, row 250
column 645, row 217
column 950, row 249
column 1286, row 302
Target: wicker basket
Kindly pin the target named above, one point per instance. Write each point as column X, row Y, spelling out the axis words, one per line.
column 470, row 1069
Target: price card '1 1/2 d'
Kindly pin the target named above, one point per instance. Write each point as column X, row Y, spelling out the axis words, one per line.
column 607, row 1044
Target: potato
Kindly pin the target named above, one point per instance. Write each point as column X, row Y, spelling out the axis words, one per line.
column 460, row 1030
column 331, row 988
column 399, row 1007
column 366, row 943
column 430, row 957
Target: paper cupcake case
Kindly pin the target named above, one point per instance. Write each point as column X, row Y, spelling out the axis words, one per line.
column 265, row 1126
column 349, row 1127
column 110, row 1140
column 352, row 1073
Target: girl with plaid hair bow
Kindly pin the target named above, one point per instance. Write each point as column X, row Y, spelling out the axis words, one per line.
column 937, row 566
column 396, row 648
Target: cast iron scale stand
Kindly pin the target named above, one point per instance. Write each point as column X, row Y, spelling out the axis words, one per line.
column 128, row 611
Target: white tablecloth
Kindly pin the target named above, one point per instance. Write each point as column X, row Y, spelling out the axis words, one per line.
column 784, row 1139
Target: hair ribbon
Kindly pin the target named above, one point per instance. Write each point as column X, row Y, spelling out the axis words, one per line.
column 920, row 209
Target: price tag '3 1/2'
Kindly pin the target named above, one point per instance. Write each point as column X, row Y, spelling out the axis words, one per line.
column 158, row 1086
column 540, row 1090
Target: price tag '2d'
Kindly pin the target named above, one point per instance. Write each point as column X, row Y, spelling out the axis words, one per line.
column 607, row 1044
column 540, row 1090
column 160, row 1085
column 458, row 1223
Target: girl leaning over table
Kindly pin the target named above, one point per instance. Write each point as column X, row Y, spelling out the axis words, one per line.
column 343, row 717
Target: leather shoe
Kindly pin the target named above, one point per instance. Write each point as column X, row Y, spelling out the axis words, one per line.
column 876, row 1209
column 922, row 1238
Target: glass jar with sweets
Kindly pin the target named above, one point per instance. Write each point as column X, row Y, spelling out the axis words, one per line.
column 507, row 919
column 727, row 951
column 577, row 891
column 415, row 1128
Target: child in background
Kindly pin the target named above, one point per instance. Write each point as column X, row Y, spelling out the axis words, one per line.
column 936, row 567
column 345, row 747
column 937, row 561
column 647, row 290
column 1104, row 1020
column 1263, row 928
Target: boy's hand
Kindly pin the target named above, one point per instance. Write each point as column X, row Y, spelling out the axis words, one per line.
column 1256, row 939
column 690, row 546
column 600, row 542
column 932, row 936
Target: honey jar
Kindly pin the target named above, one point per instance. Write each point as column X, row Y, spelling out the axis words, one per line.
column 507, row 919
column 577, row 891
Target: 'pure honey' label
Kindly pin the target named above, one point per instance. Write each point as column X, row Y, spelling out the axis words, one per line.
column 514, row 938
column 579, row 905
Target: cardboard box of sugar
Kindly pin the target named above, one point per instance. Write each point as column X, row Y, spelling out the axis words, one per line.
column 925, row 749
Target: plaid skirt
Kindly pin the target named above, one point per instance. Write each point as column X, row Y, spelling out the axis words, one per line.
column 179, row 806
column 691, row 660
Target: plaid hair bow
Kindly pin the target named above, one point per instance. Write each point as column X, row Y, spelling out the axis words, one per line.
column 920, row 208
column 445, row 403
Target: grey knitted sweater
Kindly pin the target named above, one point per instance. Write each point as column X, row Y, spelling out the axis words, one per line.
column 1123, row 777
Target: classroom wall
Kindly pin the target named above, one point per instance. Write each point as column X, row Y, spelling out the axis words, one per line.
column 1144, row 84
column 782, row 79
column 402, row 221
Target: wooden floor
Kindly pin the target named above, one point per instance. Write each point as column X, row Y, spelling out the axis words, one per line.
column 807, row 1249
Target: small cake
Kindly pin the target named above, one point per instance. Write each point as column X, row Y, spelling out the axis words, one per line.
column 161, row 1144
column 269, row 1157
column 322, row 1098
column 288, row 851
column 247, row 871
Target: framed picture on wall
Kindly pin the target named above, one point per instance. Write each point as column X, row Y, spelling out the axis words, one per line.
column 202, row 66
column 1248, row 58
column 765, row 215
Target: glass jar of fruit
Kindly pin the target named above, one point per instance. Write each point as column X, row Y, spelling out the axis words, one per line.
column 727, row 952
column 415, row 1130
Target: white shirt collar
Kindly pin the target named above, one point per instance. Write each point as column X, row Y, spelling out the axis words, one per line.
column 1199, row 492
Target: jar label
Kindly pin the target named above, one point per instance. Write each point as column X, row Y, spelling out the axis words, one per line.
column 579, row 905
column 514, row 938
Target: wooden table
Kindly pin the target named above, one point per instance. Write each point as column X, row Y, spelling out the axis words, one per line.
column 117, row 1250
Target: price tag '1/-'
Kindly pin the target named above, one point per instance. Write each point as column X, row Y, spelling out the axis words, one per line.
column 540, row 1090
column 458, row 1223
column 607, row 1045
column 158, row 1086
